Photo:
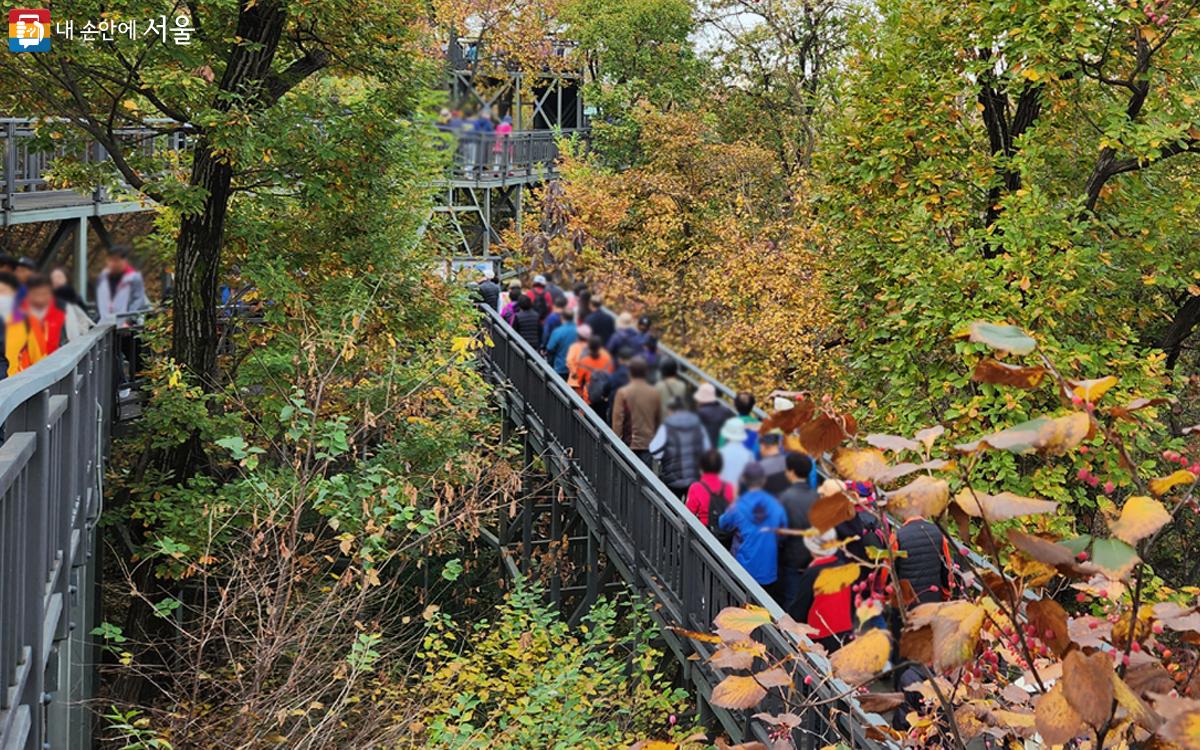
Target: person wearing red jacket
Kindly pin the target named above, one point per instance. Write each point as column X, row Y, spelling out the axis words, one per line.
column 831, row 612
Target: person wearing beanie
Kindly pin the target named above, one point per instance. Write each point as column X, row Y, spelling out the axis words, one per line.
column 754, row 518
column 830, row 611
column 713, row 414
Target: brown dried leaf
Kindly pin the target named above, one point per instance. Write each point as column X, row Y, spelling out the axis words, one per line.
column 923, row 497
column 892, row 442
column 1087, row 686
column 859, row 465
column 893, row 473
column 1002, row 507
column 956, row 633
column 1057, row 721
column 772, row 678
column 1049, row 620
column 877, row 703
column 830, row 510
column 990, row 371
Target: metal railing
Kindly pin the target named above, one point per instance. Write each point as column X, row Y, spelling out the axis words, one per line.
column 520, row 155
column 26, row 162
column 670, row 554
column 57, row 417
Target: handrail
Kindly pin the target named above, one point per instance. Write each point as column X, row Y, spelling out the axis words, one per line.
column 689, row 572
column 56, row 417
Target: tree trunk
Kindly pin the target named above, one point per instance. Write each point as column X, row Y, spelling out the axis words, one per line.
column 198, row 248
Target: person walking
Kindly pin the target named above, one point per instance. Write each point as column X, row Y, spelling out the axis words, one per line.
column 78, row 322
column 626, row 336
column 35, row 330
column 600, row 320
column 670, row 386
column 710, row 496
column 576, row 350
column 796, row 500
column 830, row 610
column 526, row 323
column 555, row 318
column 594, row 369
column 488, row 289
column 754, row 518
column 618, row 380
column 734, row 452
column 542, row 301
column 743, row 402
column 502, row 150
column 774, row 461
column 635, row 411
column 712, row 412
column 558, row 346
column 120, row 289
column 8, row 302
column 678, row 445
column 509, row 311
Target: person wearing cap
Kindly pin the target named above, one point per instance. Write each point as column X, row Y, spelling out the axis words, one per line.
column 627, row 335
column 543, row 303
column 487, row 288
column 734, row 452
column 558, row 345
column 601, row 321
column 678, row 445
column 670, row 386
column 754, row 518
column 774, row 461
column 830, row 611
column 576, row 350
column 635, row 411
column 712, row 412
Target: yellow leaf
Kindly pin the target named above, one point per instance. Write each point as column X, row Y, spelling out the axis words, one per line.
column 955, row 633
column 863, row 658
column 860, row 465
column 737, row 691
column 1163, row 485
column 923, row 497
column 742, row 619
column 1092, row 390
column 1001, row 507
column 835, row 579
column 1140, row 517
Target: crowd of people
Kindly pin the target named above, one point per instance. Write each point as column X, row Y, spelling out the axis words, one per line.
column 741, row 482
column 483, row 140
column 42, row 312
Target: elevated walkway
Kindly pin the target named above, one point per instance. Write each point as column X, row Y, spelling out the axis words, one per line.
column 628, row 523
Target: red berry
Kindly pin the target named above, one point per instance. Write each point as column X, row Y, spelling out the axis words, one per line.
column 1081, row 597
column 1109, row 487
column 1083, row 555
column 1135, row 647
column 808, row 680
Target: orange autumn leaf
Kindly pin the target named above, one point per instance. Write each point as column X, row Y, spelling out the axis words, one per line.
column 738, row 691
column 1092, row 390
column 834, row 579
column 1163, row 485
column 1057, row 721
column 863, row 658
column 925, row 497
column 742, row 619
column 860, row 465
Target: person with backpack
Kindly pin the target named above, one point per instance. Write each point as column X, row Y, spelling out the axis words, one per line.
column 635, row 411
column 627, row 336
column 509, row 311
column 526, row 323
column 754, row 518
column 830, row 610
column 542, row 301
column 574, row 353
column 593, row 370
column 678, row 445
column 710, row 496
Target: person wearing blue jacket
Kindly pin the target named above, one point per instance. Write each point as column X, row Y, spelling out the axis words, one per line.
column 559, row 344
column 753, row 518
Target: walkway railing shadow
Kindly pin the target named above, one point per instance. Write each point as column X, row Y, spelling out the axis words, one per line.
column 662, row 550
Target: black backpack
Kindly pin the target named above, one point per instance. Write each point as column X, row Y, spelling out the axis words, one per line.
column 597, row 387
column 717, row 505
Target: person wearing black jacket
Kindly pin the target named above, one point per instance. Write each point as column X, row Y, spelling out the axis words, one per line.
column 488, row 289
column 527, row 323
column 797, row 500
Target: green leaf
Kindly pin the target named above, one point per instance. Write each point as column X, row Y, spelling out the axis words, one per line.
column 1003, row 337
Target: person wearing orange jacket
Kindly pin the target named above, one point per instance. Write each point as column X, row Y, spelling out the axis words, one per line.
column 36, row 328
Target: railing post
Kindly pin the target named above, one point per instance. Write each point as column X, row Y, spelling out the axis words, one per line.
column 10, row 163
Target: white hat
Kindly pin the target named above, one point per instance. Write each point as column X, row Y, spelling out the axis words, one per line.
column 734, row 430
column 487, row 272
column 539, row 279
column 821, row 544
column 706, row 393
column 783, row 404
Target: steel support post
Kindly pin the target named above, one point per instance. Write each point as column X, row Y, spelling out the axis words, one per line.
column 81, row 257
